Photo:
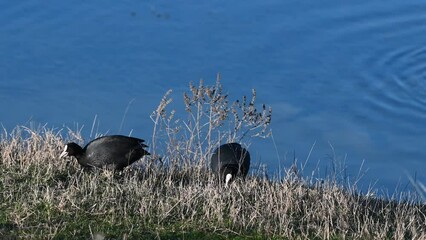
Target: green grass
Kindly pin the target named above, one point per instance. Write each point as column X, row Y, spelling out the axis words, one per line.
column 44, row 197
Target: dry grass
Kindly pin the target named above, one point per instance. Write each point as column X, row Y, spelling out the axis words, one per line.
column 44, row 197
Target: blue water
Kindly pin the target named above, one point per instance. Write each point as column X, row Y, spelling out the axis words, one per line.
column 347, row 78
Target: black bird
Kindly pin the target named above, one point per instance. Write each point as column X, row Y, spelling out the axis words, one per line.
column 114, row 152
column 230, row 160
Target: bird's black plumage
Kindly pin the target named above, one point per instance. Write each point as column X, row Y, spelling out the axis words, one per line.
column 112, row 152
column 231, row 160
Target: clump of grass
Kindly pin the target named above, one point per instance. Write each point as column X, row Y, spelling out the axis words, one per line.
column 50, row 198
column 211, row 120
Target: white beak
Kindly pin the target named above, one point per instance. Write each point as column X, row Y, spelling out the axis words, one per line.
column 227, row 179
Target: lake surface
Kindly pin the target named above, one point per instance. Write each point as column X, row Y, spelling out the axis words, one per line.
column 347, row 78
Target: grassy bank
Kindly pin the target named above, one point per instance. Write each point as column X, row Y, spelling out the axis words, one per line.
column 44, row 197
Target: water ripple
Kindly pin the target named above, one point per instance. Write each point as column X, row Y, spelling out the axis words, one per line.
column 397, row 82
column 380, row 22
column 391, row 57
